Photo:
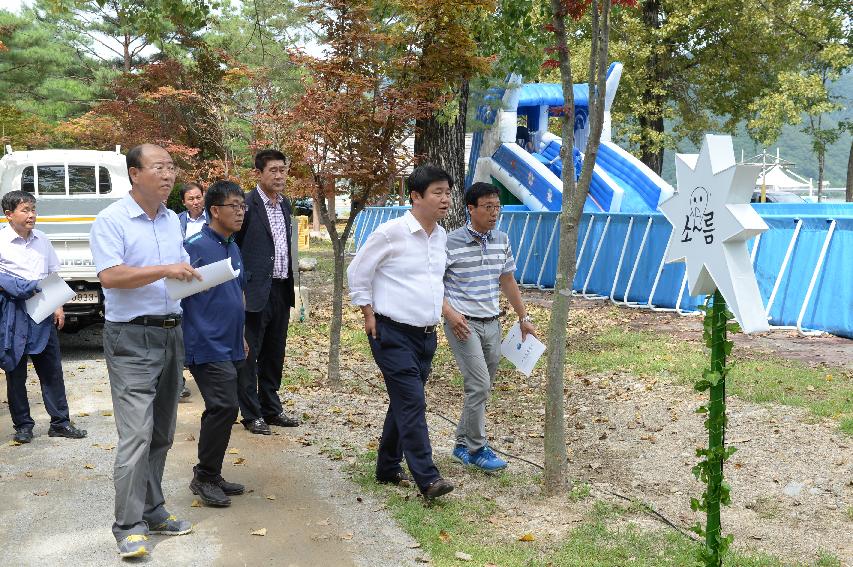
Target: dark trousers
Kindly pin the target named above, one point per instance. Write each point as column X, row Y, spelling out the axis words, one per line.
column 260, row 377
column 217, row 382
column 48, row 365
column 405, row 358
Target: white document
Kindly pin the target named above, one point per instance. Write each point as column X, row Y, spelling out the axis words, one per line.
column 54, row 294
column 523, row 355
column 212, row 275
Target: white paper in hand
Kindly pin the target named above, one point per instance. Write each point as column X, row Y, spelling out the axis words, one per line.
column 523, row 355
column 212, row 275
column 54, row 294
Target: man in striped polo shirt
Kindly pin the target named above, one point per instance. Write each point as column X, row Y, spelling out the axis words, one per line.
column 479, row 266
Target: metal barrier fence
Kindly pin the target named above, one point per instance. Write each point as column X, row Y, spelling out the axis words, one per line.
column 803, row 264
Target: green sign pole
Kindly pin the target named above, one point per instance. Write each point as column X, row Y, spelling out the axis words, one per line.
column 710, row 470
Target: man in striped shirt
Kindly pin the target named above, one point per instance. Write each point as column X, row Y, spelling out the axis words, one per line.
column 479, row 266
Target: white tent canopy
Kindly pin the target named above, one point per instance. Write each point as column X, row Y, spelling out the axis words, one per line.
column 775, row 178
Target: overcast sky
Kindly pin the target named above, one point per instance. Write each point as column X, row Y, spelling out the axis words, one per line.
column 12, row 5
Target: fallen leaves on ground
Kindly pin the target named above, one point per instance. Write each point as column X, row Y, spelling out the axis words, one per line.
column 462, row 556
column 233, row 451
column 106, row 413
column 527, row 537
column 271, row 497
column 444, row 536
column 88, row 466
column 259, row 532
column 347, row 536
column 239, row 461
column 40, row 493
column 195, row 504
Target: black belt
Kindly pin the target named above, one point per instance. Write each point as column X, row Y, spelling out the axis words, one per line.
column 482, row 319
column 403, row 326
column 165, row 321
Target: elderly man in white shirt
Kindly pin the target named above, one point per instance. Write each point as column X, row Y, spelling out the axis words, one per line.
column 397, row 280
column 136, row 243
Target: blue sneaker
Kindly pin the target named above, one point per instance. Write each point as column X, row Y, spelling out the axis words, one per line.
column 461, row 455
column 484, row 458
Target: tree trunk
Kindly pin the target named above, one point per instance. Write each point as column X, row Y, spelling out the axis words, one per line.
column 334, row 368
column 848, row 194
column 574, row 197
column 821, row 162
column 339, row 244
column 650, row 153
column 443, row 144
column 127, row 59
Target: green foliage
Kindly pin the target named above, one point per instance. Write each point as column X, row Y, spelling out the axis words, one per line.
column 823, row 34
column 694, row 66
column 125, row 33
column 39, row 75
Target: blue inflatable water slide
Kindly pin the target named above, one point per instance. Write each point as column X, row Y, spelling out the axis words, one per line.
column 526, row 161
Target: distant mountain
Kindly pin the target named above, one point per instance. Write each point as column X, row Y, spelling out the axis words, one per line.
column 794, row 145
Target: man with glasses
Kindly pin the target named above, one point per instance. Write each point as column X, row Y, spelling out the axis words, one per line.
column 213, row 339
column 264, row 241
column 479, row 266
column 136, row 243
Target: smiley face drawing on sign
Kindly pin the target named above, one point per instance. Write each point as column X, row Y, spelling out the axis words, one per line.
column 699, row 219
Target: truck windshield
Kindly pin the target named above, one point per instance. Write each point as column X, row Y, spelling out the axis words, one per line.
column 81, row 180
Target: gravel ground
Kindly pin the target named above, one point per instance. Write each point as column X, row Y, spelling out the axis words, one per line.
column 58, row 494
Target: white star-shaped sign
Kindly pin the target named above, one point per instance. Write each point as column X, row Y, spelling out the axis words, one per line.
column 711, row 221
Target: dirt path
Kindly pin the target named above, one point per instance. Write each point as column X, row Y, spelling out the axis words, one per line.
column 57, row 500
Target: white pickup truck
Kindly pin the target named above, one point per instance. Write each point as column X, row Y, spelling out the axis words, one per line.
column 71, row 186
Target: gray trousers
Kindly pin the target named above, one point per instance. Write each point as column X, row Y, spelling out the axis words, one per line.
column 477, row 358
column 145, row 365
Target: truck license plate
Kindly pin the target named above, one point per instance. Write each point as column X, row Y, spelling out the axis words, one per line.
column 85, row 297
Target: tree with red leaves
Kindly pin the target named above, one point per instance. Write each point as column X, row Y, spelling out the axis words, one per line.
column 345, row 133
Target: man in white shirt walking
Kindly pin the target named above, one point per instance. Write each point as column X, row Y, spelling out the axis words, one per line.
column 397, row 280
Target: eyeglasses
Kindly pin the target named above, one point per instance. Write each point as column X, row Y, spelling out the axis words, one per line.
column 491, row 208
column 160, row 168
column 235, row 207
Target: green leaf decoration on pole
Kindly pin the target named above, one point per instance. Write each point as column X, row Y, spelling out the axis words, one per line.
column 716, row 325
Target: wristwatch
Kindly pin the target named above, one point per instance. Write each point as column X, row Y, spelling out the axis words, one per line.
column 525, row 319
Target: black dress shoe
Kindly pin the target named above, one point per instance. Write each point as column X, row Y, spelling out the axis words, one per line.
column 185, row 393
column 399, row 478
column 230, row 488
column 210, row 493
column 68, row 431
column 438, row 488
column 23, row 435
column 258, row 427
column 282, row 420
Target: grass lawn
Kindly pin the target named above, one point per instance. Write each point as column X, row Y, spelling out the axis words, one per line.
column 605, row 537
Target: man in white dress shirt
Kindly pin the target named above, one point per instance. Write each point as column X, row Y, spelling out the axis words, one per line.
column 397, row 280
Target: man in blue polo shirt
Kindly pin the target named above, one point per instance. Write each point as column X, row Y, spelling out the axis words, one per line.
column 213, row 339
